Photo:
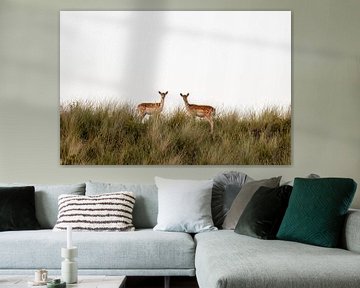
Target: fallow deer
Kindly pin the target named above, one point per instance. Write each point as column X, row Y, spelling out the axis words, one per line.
column 151, row 108
column 201, row 111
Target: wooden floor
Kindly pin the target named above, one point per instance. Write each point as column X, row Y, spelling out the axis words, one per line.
column 158, row 282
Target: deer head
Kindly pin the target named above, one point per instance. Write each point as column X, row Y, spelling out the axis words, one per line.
column 163, row 94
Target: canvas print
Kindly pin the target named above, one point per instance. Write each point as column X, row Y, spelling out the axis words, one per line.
column 175, row 87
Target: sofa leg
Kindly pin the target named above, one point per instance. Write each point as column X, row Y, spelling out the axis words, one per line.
column 167, row 282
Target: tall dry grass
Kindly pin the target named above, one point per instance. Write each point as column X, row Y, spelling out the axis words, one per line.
column 110, row 134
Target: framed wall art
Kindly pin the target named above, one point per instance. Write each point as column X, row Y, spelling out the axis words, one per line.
column 175, row 87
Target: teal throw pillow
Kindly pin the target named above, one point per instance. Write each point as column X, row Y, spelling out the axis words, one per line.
column 316, row 211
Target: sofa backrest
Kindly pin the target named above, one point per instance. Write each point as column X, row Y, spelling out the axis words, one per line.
column 146, row 203
column 46, row 200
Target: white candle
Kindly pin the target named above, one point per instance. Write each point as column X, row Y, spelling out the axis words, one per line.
column 69, row 239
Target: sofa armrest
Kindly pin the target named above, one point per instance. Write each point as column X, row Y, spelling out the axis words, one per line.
column 351, row 232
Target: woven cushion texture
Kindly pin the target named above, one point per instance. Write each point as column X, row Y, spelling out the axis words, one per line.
column 106, row 212
column 316, row 211
column 17, row 208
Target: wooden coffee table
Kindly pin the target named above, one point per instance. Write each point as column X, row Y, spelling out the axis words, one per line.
column 84, row 281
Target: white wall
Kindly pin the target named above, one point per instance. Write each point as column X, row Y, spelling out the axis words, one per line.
column 325, row 91
column 127, row 56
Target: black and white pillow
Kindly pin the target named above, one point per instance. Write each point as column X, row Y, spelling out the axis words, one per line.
column 105, row 212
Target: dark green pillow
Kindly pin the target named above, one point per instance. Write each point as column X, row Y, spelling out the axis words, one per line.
column 316, row 211
column 264, row 212
column 17, row 208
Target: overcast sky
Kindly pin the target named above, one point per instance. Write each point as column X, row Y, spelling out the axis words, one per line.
column 227, row 59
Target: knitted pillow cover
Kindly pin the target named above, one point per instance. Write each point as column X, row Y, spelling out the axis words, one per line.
column 316, row 211
column 105, row 212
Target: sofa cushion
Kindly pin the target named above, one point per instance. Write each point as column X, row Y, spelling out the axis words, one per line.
column 350, row 239
column 105, row 212
column 17, row 208
column 146, row 205
column 225, row 189
column 225, row 259
column 184, row 205
column 243, row 198
column 316, row 211
column 137, row 250
column 263, row 215
column 46, row 200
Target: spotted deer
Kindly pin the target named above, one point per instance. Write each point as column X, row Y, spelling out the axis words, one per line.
column 202, row 111
column 151, row 108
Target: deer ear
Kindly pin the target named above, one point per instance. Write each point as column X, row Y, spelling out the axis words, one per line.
column 159, row 92
column 181, row 94
column 166, row 92
column 188, row 94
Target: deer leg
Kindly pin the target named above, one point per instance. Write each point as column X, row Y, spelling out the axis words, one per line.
column 211, row 124
column 142, row 115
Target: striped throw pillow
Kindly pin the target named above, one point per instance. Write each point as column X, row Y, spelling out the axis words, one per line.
column 105, row 212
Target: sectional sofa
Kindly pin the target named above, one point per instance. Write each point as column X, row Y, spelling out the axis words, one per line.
column 218, row 259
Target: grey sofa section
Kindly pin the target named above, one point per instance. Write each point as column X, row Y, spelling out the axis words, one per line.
column 221, row 259
column 142, row 253
column 137, row 253
column 225, row 259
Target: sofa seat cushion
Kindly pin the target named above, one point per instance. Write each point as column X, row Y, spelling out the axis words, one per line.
column 142, row 249
column 226, row 259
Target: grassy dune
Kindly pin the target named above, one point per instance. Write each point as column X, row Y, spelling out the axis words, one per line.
column 114, row 135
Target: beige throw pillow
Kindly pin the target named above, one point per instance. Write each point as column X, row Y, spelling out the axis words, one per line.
column 243, row 198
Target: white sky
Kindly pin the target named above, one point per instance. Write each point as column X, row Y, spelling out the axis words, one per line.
column 227, row 59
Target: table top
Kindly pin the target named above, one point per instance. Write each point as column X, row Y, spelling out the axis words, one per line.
column 84, row 281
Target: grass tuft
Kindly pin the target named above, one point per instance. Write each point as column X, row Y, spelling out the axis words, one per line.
column 113, row 134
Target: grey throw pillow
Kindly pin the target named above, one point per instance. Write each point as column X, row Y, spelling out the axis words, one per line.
column 242, row 199
column 184, row 205
column 226, row 187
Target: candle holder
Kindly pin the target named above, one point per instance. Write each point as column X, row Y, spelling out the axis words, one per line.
column 68, row 265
